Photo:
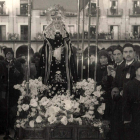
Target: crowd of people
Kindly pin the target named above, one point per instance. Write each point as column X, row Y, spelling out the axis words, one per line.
column 13, row 71
column 118, row 72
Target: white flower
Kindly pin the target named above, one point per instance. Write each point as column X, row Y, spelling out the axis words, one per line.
column 25, row 107
column 52, row 111
column 17, row 86
column 99, row 88
column 91, row 112
column 79, row 120
column 91, row 108
column 103, row 106
column 96, row 103
column 20, row 97
column 39, row 119
column 23, row 93
column 44, row 101
column 22, row 125
column 18, row 125
column 100, row 110
column 19, row 102
column 33, row 103
column 51, row 119
column 64, row 120
column 71, row 118
column 31, row 123
column 68, row 104
column 97, row 93
column 33, row 109
column 19, row 108
column 40, row 79
column 17, row 121
column 82, row 99
column 33, row 114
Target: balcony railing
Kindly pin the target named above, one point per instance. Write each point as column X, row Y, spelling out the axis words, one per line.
column 114, row 12
column 93, row 13
column 134, row 13
column 106, row 36
column 67, row 14
column 4, row 12
column 19, row 13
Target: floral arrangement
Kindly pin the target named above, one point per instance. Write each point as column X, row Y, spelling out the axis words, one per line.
column 36, row 110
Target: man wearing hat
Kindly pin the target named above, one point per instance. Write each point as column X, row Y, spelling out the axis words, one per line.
column 11, row 73
column 131, row 108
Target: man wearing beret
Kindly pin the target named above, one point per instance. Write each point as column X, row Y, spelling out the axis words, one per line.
column 11, row 73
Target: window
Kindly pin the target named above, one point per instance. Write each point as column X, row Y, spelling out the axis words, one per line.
column 114, row 31
column 92, row 31
column 2, row 8
column 113, row 7
column 23, row 7
column 136, row 31
column 24, row 32
column 136, row 7
column 71, row 29
column 2, row 32
column 93, row 9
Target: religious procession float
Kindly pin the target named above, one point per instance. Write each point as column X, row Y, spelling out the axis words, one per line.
column 56, row 106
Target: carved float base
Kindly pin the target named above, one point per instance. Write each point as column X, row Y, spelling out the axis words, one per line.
column 60, row 133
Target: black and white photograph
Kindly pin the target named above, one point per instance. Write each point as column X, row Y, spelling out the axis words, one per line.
column 69, row 69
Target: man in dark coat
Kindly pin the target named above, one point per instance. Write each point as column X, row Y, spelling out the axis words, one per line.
column 131, row 108
column 10, row 75
column 116, row 107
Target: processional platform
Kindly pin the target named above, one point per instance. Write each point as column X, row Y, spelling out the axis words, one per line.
column 61, row 132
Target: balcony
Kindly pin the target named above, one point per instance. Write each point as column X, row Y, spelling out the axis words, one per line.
column 67, row 14
column 114, row 12
column 21, row 13
column 134, row 13
column 4, row 12
column 93, row 13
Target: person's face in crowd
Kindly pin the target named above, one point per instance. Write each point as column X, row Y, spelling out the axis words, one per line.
column 9, row 56
column 103, row 60
column 92, row 58
column 110, row 54
column 128, row 54
column 138, row 72
column 118, row 56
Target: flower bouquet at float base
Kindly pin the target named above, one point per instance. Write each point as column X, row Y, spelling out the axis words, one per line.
column 36, row 110
column 90, row 102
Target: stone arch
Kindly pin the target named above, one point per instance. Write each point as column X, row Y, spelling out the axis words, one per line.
column 23, row 50
column 39, row 48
